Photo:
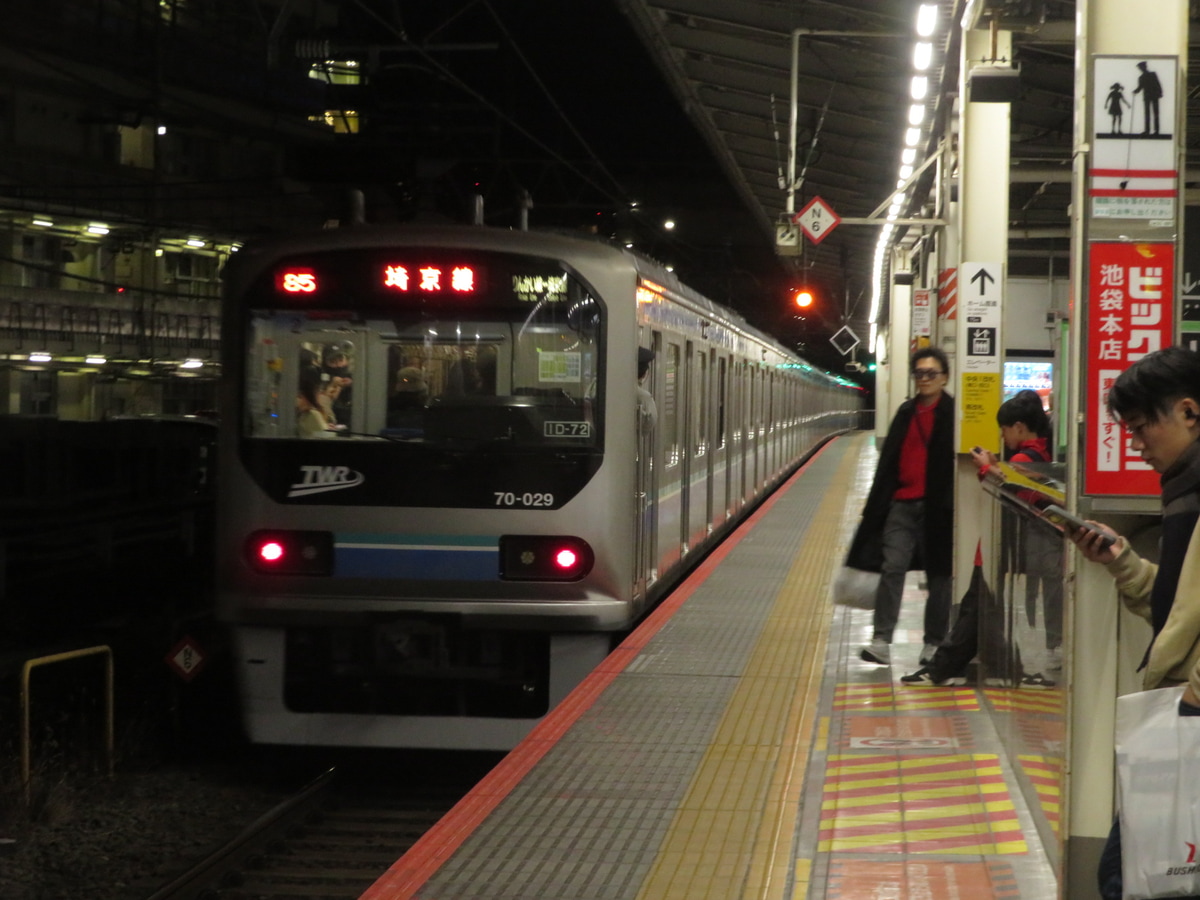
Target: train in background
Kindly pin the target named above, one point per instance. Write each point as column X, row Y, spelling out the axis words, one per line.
column 440, row 500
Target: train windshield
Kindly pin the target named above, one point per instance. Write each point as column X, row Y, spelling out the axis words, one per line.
column 441, row 352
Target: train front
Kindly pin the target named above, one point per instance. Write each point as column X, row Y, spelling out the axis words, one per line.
column 417, row 546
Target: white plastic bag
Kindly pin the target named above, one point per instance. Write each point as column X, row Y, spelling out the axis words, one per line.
column 1158, row 787
column 855, row 588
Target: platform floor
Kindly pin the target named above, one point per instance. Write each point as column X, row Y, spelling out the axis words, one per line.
column 737, row 747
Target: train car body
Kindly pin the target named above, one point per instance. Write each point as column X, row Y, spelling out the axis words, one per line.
column 441, row 499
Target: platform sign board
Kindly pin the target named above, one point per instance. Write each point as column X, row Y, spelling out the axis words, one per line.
column 980, row 377
column 922, row 313
column 1130, row 312
column 816, row 220
column 1134, row 172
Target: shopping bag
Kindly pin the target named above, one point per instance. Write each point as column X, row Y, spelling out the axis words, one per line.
column 855, row 588
column 1158, row 773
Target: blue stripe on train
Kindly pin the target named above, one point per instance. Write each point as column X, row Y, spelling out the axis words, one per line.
column 431, row 557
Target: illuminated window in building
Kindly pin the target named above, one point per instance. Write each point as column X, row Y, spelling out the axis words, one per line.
column 341, row 121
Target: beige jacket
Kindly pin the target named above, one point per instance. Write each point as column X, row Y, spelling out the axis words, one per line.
column 1175, row 653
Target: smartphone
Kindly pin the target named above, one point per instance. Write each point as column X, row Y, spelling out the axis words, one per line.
column 1059, row 516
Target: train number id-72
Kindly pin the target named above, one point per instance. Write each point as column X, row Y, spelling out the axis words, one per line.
column 528, row 499
column 567, row 429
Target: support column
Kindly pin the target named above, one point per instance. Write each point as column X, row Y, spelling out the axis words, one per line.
column 1105, row 643
column 983, row 156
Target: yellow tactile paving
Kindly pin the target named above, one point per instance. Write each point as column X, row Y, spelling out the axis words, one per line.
column 743, row 802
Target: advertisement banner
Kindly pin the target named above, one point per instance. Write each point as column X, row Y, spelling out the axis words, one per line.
column 1131, row 308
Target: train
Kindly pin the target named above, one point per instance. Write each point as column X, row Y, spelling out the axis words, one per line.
column 443, row 494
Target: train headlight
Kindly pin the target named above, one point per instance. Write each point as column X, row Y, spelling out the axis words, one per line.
column 538, row 557
column 291, row 552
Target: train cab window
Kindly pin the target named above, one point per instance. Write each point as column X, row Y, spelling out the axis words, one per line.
column 510, row 364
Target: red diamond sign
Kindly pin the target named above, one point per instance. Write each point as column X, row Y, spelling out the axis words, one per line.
column 817, row 219
column 186, row 658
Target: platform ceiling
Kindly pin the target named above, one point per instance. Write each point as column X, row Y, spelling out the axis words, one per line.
column 729, row 65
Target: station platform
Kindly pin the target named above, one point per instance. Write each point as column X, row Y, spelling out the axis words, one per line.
column 736, row 746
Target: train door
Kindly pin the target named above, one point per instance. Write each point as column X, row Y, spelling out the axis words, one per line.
column 742, row 390
column 755, row 419
column 646, row 492
column 709, row 438
column 669, row 482
column 698, row 491
column 720, row 462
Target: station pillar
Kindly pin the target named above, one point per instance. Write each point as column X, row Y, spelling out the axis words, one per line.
column 982, row 240
column 1126, row 233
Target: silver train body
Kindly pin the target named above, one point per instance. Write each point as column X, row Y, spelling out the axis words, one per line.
column 441, row 498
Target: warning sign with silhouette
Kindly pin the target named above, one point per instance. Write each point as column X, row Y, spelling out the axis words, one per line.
column 1133, row 173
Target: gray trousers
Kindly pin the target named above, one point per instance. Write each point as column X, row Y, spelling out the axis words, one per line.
column 903, row 535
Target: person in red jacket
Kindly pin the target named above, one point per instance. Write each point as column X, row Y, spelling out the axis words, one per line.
column 908, row 519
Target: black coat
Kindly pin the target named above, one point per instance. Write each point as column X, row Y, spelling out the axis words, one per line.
column 866, row 550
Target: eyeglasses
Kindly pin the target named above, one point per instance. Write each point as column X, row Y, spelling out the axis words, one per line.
column 925, row 374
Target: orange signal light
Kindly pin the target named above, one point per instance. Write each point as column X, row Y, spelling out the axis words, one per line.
column 804, row 298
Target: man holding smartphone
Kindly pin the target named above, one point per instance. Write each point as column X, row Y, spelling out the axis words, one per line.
column 908, row 519
column 1157, row 401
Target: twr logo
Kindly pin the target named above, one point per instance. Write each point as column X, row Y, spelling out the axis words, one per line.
column 318, row 479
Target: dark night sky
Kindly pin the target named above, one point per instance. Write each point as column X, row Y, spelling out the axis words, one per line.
column 569, row 105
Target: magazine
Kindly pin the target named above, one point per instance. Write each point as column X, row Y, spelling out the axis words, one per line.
column 1026, row 490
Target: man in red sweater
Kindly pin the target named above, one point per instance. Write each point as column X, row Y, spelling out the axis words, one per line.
column 908, row 520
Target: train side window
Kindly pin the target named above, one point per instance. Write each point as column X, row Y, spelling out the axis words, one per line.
column 722, row 395
column 700, row 402
column 669, row 414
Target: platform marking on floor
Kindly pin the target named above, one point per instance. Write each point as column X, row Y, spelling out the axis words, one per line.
column 889, row 697
column 708, row 843
column 903, row 733
column 1052, row 702
column 926, row 880
column 946, row 803
column 1046, row 775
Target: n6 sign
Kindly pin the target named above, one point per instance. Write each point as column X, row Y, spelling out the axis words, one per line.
column 817, row 219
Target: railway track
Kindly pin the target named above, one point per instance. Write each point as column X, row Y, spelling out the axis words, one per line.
column 333, row 839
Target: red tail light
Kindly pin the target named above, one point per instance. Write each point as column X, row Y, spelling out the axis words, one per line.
column 536, row 557
column 291, row 552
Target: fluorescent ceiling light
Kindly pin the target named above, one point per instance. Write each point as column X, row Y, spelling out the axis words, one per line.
column 922, row 56
column 912, row 137
column 44, row 223
column 97, row 228
column 194, row 242
column 40, row 356
column 916, row 114
column 95, row 360
column 191, row 364
column 927, row 16
column 908, row 156
column 920, row 87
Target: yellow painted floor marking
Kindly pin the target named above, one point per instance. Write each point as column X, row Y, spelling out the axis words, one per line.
column 732, row 835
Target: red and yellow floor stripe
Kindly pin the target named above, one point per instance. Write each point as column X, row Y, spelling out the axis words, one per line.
column 884, row 697
column 948, row 803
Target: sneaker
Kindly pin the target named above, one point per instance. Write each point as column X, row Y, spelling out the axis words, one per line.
column 879, row 652
column 1055, row 657
column 921, row 676
column 1037, row 680
column 927, row 654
